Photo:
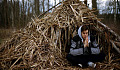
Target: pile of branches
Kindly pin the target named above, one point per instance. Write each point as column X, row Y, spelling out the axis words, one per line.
column 43, row 42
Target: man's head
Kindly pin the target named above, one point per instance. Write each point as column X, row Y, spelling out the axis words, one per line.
column 84, row 31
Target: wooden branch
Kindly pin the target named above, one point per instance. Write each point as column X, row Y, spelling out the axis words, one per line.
column 15, row 62
column 117, row 43
column 117, row 49
column 48, row 10
column 116, row 60
column 111, row 31
column 117, row 67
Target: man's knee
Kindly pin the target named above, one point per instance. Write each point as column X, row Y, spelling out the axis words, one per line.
column 103, row 56
column 69, row 56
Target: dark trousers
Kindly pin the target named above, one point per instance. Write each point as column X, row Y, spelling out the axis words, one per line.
column 84, row 59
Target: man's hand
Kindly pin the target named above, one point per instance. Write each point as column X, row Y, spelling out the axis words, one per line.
column 86, row 42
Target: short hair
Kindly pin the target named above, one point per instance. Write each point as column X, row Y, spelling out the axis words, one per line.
column 84, row 27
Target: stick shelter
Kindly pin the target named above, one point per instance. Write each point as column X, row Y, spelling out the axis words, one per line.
column 45, row 41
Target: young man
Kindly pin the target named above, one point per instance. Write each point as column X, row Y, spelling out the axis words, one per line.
column 84, row 49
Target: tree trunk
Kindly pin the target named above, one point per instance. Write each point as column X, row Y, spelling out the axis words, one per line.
column 35, row 2
column 38, row 6
column 85, row 1
column 117, row 7
column 5, row 13
column 28, row 14
column 55, row 2
column 23, row 13
column 37, row 11
column 17, row 14
column 32, row 10
column 21, row 22
column 114, row 10
column 48, row 4
column 94, row 6
column 12, row 15
column 1, row 22
column 43, row 5
column 8, row 13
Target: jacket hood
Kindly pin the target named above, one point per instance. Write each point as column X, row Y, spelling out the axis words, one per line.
column 79, row 33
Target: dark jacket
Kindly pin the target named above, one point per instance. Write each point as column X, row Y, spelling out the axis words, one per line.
column 77, row 46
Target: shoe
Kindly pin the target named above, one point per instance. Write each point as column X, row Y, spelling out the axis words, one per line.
column 91, row 64
column 80, row 65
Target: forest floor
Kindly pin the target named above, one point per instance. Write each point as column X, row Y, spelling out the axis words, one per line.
column 109, row 21
column 5, row 34
column 115, row 27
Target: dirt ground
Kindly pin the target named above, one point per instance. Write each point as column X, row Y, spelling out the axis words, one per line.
column 5, row 34
column 115, row 27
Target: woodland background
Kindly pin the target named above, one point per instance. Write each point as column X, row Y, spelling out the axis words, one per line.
column 15, row 14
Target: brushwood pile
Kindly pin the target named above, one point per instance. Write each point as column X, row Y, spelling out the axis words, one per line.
column 42, row 43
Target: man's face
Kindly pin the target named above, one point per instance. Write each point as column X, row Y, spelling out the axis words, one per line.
column 84, row 34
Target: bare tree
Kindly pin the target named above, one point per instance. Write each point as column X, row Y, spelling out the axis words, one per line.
column 23, row 13
column 17, row 12
column 55, row 2
column 28, row 11
column 1, row 10
column 38, row 7
column 114, row 10
column 94, row 6
column 12, row 15
column 118, row 6
column 5, row 13
column 85, row 1
column 37, row 11
column 43, row 6
column 14, row 11
column 48, row 4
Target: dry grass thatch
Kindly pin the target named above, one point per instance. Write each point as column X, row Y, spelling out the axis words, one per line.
column 42, row 43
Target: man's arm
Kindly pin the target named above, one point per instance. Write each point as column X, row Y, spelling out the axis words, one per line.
column 95, row 49
column 74, row 51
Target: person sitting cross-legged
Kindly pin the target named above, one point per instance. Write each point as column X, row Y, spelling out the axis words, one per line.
column 84, row 49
